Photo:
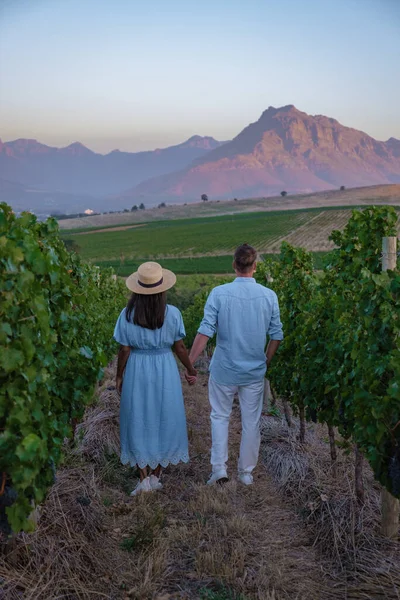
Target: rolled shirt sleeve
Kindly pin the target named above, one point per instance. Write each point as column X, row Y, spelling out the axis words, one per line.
column 275, row 330
column 208, row 326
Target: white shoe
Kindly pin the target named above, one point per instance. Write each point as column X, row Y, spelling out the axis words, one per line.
column 219, row 476
column 142, row 486
column 246, row 478
column 155, row 482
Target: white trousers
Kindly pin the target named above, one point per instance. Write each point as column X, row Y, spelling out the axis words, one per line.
column 251, row 403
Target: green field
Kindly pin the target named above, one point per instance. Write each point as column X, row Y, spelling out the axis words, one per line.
column 147, row 219
column 205, row 245
column 188, row 237
column 191, row 266
column 184, row 266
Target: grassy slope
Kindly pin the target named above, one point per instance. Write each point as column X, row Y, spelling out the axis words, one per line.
column 199, row 265
column 189, row 237
column 148, row 218
column 205, row 244
column 383, row 194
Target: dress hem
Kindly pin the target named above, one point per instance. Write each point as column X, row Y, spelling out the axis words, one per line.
column 153, row 463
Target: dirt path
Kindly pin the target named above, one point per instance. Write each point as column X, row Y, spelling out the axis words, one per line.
column 185, row 542
column 244, row 539
column 120, row 228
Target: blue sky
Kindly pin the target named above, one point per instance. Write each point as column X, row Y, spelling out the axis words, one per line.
column 140, row 75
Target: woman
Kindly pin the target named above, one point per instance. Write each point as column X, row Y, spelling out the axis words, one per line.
column 152, row 414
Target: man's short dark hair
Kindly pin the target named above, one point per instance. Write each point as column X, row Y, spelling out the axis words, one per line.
column 245, row 257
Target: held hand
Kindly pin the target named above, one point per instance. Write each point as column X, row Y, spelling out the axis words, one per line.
column 118, row 382
column 191, row 376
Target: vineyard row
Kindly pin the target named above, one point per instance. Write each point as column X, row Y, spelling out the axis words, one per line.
column 339, row 363
column 56, row 322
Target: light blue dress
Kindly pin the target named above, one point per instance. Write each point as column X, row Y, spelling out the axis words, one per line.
column 152, row 413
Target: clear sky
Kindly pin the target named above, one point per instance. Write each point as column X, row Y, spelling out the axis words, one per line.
column 135, row 75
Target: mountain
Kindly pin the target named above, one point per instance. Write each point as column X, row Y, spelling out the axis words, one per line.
column 42, row 202
column 394, row 146
column 79, row 171
column 286, row 149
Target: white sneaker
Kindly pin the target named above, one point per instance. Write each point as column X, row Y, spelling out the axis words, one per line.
column 142, row 486
column 245, row 478
column 155, row 482
column 219, row 476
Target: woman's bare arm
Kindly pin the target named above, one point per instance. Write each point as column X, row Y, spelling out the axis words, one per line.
column 123, row 356
column 181, row 352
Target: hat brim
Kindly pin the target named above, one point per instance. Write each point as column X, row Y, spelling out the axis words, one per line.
column 168, row 281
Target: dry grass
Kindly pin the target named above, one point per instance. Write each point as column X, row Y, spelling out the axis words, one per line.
column 98, row 434
column 59, row 559
column 187, row 541
column 347, row 535
column 314, row 235
column 120, row 228
column 380, row 194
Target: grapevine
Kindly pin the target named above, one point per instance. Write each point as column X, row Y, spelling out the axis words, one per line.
column 339, row 362
column 56, row 321
column 340, row 358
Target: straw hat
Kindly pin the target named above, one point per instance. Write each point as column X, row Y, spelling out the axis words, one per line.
column 150, row 278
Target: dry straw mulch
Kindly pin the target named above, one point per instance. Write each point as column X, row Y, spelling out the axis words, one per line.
column 188, row 541
column 344, row 533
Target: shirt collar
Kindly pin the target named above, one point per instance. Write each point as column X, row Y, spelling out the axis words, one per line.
column 245, row 279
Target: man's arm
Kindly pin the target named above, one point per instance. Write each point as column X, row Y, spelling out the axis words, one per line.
column 275, row 332
column 199, row 345
column 272, row 347
column 207, row 329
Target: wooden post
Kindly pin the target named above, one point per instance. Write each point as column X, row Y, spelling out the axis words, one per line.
column 267, row 395
column 389, row 253
column 389, row 504
column 302, row 423
column 358, row 476
column 273, row 397
column 390, row 515
column 332, row 446
column 286, row 411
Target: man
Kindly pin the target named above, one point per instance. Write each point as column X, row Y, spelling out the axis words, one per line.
column 242, row 313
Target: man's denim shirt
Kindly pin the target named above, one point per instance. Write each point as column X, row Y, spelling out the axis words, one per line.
column 242, row 314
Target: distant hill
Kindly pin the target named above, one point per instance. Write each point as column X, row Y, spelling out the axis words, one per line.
column 286, row 149
column 42, row 202
column 78, row 171
column 352, row 197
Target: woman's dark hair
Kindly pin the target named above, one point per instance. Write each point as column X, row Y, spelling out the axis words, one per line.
column 148, row 310
column 245, row 257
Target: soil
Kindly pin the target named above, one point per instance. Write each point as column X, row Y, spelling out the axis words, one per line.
column 186, row 541
column 120, row 228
